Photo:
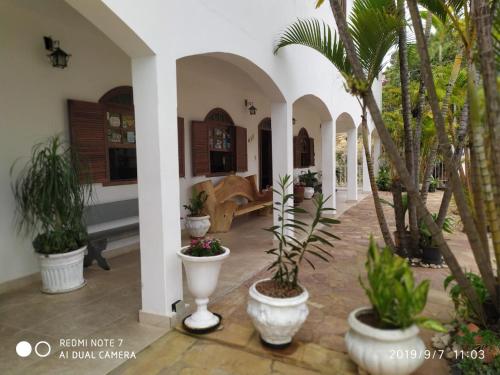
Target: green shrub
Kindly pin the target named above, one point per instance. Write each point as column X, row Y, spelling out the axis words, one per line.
column 463, row 308
column 383, row 179
column 196, row 203
column 426, row 239
column 395, row 298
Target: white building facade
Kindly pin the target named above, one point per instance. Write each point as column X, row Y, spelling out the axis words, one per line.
column 183, row 58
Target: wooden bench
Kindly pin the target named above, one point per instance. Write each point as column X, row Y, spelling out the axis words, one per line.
column 221, row 203
column 106, row 222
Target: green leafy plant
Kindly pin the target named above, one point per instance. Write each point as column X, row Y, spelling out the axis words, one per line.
column 51, row 197
column 205, row 247
column 384, row 179
column 486, row 347
column 196, row 203
column 433, row 184
column 292, row 250
column 426, row 239
column 475, row 366
column 463, row 308
column 309, row 178
column 396, row 299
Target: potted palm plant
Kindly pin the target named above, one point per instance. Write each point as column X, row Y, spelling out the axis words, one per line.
column 202, row 261
column 197, row 223
column 430, row 251
column 310, row 181
column 278, row 306
column 50, row 200
column 384, row 339
column 433, row 184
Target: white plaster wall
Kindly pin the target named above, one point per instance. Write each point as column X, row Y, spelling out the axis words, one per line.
column 33, row 98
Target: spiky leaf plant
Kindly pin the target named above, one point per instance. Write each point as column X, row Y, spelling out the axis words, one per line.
column 51, row 198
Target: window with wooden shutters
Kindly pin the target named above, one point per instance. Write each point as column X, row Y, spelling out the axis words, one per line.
column 296, row 153
column 311, row 152
column 241, row 149
column 199, row 148
column 180, row 145
column 87, row 122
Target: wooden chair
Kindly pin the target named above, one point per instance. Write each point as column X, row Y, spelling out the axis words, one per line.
column 221, row 205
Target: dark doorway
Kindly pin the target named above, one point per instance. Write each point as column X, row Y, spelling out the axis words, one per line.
column 265, row 154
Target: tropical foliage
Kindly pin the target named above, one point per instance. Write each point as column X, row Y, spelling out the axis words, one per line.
column 395, row 297
column 196, row 203
column 298, row 241
column 51, row 197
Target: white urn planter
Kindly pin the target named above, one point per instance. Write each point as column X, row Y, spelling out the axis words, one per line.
column 202, row 275
column 62, row 272
column 277, row 319
column 308, row 192
column 383, row 351
column 197, row 226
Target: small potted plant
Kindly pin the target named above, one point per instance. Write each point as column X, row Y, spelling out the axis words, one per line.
column 298, row 191
column 310, row 181
column 50, row 199
column 197, row 223
column 384, row 339
column 384, row 179
column 430, row 251
column 202, row 261
column 433, row 184
column 278, row 306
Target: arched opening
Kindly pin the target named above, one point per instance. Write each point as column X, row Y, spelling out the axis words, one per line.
column 265, row 153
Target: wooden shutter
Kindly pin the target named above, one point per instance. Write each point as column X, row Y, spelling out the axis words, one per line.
column 296, row 152
column 241, row 149
column 199, row 148
column 87, row 123
column 311, row 151
column 180, row 141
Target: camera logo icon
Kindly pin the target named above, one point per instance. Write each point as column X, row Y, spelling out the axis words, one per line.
column 24, row 349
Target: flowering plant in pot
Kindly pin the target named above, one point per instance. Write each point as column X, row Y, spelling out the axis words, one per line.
column 50, row 197
column 202, row 261
column 310, row 180
column 384, row 339
column 277, row 306
column 197, row 223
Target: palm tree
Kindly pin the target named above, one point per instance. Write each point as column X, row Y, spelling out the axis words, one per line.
column 373, row 45
column 392, row 150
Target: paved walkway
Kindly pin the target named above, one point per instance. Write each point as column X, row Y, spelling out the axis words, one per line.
column 319, row 346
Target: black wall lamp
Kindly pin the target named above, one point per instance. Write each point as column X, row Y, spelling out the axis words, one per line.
column 251, row 108
column 58, row 57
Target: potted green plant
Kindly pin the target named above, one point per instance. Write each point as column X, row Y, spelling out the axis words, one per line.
column 202, row 261
column 433, row 184
column 50, row 200
column 310, row 181
column 197, row 223
column 298, row 191
column 382, row 336
column 278, row 306
column 430, row 251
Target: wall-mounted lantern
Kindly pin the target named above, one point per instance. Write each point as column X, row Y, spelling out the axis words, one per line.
column 251, row 108
column 58, row 57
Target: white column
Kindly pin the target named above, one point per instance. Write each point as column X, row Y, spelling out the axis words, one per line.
column 328, row 146
column 377, row 150
column 352, row 164
column 282, row 142
column 366, row 178
column 155, row 101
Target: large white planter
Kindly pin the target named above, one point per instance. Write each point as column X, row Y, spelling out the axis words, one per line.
column 384, row 351
column 62, row 272
column 308, row 192
column 197, row 226
column 277, row 319
column 202, row 276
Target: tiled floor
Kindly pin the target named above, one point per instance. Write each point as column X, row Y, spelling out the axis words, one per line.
column 108, row 306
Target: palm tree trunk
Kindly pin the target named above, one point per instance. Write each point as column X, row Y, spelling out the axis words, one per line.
column 457, row 157
column 458, row 192
column 384, row 228
column 408, row 132
column 482, row 19
column 392, row 150
column 431, row 159
column 399, row 216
